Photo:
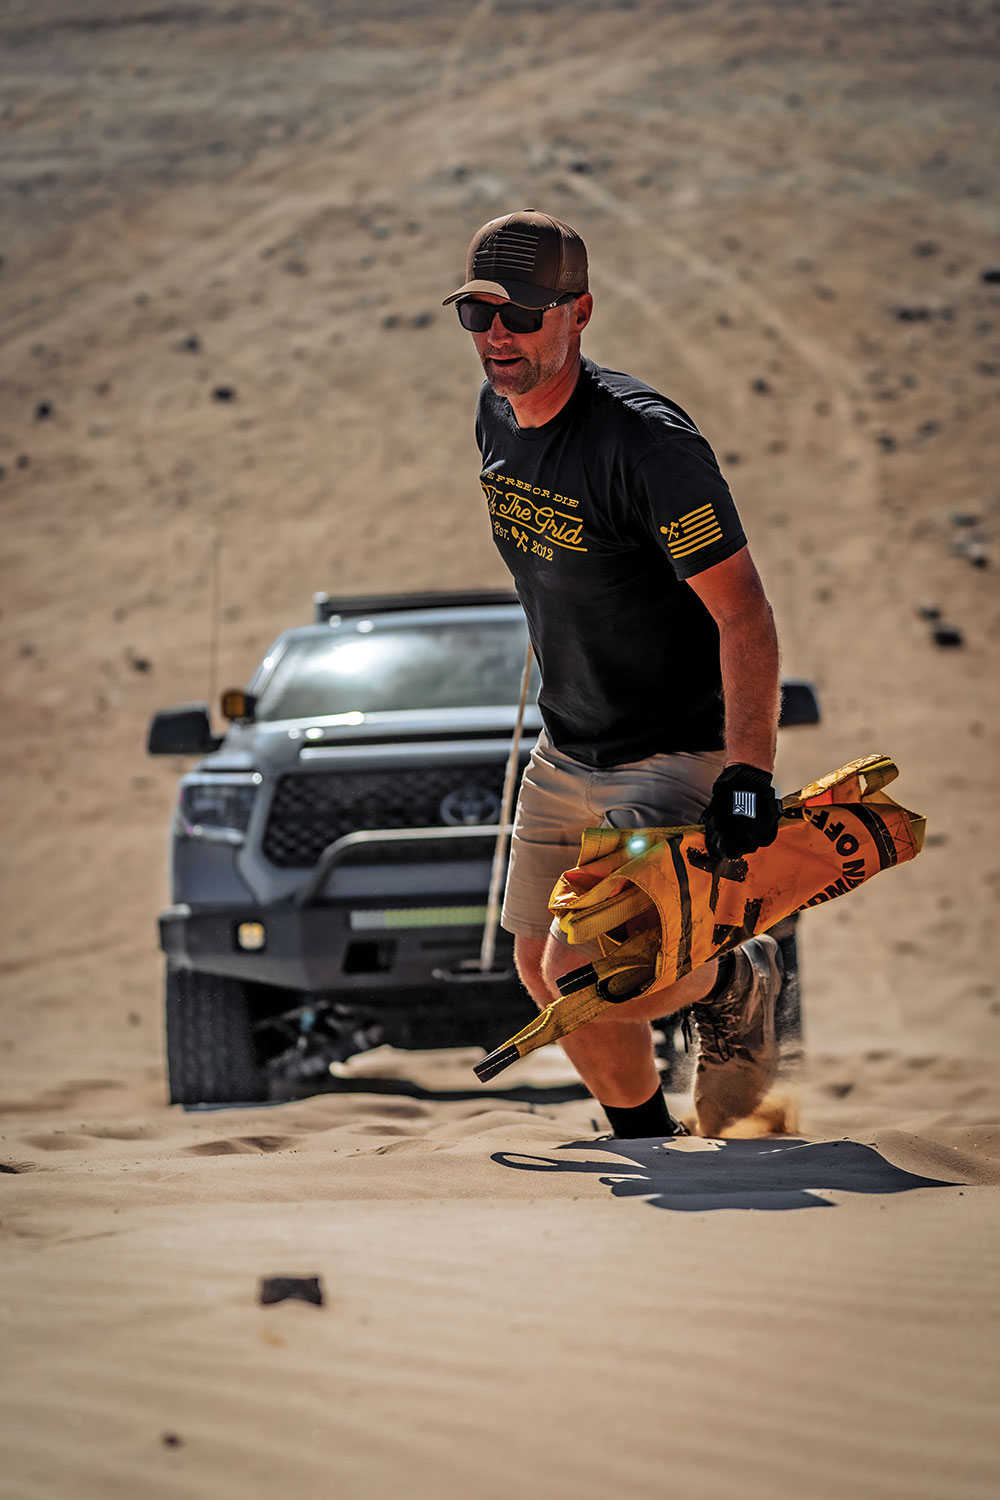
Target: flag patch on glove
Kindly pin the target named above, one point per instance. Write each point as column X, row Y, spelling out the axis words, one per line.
column 745, row 803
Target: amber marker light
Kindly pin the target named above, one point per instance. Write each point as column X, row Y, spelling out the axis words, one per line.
column 251, row 936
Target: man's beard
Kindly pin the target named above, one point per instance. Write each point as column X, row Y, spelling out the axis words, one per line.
column 512, row 380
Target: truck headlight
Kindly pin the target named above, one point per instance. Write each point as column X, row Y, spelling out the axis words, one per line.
column 217, row 807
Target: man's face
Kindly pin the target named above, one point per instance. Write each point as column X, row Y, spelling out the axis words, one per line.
column 516, row 363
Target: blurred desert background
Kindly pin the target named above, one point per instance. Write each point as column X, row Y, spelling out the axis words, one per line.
column 227, row 229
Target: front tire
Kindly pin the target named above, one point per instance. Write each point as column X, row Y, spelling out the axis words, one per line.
column 211, row 1057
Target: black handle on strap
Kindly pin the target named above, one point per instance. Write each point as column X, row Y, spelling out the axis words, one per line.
column 495, row 1062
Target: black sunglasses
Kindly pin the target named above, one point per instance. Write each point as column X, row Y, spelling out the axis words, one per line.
column 478, row 317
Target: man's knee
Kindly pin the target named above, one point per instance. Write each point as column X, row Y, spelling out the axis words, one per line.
column 558, row 959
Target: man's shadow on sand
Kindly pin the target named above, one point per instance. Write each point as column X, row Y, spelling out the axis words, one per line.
column 764, row 1174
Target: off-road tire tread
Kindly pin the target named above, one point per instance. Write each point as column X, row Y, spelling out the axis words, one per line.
column 210, row 1051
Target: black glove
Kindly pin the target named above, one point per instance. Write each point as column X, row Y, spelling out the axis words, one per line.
column 743, row 813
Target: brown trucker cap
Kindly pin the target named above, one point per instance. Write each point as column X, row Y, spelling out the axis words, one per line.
column 527, row 257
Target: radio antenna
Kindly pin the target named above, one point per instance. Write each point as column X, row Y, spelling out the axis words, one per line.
column 215, row 610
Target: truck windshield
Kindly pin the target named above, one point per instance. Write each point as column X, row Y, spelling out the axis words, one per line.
column 386, row 665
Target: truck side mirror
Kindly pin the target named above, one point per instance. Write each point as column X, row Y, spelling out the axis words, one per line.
column 184, row 730
column 799, row 704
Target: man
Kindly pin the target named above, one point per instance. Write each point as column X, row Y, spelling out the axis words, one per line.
column 657, row 651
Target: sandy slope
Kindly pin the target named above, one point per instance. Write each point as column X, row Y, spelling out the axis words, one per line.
column 790, row 208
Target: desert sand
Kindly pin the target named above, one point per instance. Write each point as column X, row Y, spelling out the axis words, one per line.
column 227, row 231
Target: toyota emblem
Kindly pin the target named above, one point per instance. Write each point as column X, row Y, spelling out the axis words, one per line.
column 468, row 806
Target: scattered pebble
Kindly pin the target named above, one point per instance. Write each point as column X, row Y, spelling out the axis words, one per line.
column 761, row 386
column 224, row 393
column 172, row 1440
column 43, row 411
column 926, row 247
column 190, row 345
column 23, row 461
column 972, row 549
column 965, row 518
column 928, row 612
column 886, row 442
column 991, row 276
column 300, row 1288
column 419, row 320
column 948, row 635
column 912, row 314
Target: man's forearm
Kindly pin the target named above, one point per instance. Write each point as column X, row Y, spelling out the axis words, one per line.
column 748, row 646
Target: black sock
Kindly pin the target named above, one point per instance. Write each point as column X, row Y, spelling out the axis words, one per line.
column 722, row 979
column 639, row 1120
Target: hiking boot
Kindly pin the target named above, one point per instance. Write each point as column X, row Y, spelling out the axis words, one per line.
column 737, row 1047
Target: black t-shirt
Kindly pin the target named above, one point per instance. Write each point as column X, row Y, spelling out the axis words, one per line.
column 600, row 515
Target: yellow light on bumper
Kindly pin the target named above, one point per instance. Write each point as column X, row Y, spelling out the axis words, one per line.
column 251, row 936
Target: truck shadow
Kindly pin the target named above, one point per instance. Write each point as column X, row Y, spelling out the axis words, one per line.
column 763, row 1174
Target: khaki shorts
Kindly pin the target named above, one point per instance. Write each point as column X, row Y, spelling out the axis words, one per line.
column 560, row 797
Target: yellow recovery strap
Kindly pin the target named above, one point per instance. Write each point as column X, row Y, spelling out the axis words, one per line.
column 659, row 906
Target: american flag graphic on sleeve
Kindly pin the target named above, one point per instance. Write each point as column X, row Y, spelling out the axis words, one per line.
column 699, row 528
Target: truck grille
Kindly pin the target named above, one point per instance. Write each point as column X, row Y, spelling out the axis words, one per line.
column 311, row 809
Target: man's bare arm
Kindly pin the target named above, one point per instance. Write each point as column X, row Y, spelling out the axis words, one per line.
column 734, row 595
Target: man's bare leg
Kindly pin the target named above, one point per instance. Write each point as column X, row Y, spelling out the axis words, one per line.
column 613, row 1054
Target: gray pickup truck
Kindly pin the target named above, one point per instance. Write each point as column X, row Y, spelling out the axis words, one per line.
column 330, row 853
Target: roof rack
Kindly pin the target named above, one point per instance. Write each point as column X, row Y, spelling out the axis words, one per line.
column 366, row 604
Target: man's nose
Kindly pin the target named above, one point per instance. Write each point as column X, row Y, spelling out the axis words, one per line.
column 498, row 333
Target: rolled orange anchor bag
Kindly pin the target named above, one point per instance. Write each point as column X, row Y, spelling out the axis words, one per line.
column 659, row 906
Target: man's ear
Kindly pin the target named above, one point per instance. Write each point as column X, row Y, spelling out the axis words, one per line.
column 582, row 309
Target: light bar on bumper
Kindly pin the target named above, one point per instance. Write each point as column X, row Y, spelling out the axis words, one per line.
column 217, row 807
column 397, row 919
